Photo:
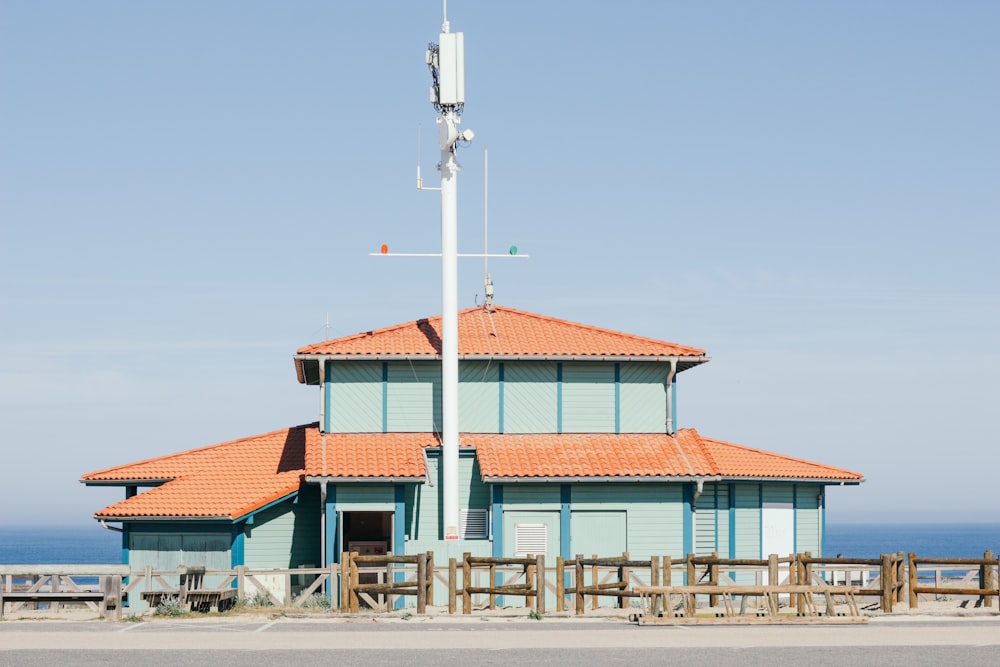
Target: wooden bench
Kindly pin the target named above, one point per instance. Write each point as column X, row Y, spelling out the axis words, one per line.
column 105, row 603
column 191, row 594
column 658, row 605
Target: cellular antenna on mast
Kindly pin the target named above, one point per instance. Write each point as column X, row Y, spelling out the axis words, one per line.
column 446, row 61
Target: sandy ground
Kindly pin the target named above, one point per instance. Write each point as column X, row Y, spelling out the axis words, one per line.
column 950, row 607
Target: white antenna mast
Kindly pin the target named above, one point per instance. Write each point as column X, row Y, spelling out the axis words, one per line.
column 447, row 64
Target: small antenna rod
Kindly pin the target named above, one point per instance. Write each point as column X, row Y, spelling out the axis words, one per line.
column 420, row 181
column 444, row 25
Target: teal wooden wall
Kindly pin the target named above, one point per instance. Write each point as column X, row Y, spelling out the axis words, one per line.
column 746, row 518
column 643, row 400
column 510, row 397
column 354, row 397
column 530, row 398
column 654, row 515
column 413, row 397
column 808, row 519
column 712, row 521
column 478, row 397
column 588, row 398
column 286, row 535
column 424, row 518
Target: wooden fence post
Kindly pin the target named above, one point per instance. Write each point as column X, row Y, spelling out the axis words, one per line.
column 886, row 577
column 355, row 580
column 430, row 578
column 529, row 579
column 913, row 581
column 691, row 577
column 578, row 582
column 654, row 581
column 540, row 583
column 560, row 584
column 900, row 575
column 345, row 582
column 792, row 579
column 493, row 583
column 422, row 583
column 624, row 575
column 986, row 578
column 772, row 569
column 595, row 580
column 452, row 581
column 466, row 582
column 713, row 578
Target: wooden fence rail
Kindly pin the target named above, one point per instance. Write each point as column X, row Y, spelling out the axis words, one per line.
column 987, row 587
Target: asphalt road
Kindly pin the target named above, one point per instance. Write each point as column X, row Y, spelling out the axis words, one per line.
column 423, row 642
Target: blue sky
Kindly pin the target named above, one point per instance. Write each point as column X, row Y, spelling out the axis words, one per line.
column 810, row 191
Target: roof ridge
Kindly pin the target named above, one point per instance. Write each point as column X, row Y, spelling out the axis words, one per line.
column 592, row 327
column 699, row 440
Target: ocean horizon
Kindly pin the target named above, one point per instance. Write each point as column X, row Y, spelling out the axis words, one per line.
column 55, row 544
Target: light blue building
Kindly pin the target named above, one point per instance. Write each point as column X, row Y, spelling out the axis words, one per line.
column 569, row 445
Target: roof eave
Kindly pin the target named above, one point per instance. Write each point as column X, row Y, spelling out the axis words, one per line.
column 139, row 517
column 316, row 479
column 127, row 482
column 684, row 361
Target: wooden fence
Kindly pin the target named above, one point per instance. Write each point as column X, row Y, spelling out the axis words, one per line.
column 580, row 584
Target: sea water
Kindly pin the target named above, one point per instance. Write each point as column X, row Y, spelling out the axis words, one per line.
column 60, row 545
column 92, row 544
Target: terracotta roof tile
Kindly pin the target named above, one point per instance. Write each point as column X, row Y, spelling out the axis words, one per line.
column 740, row 461
column 359, row 455
column 636, row 455
column 505, row 331
column 232, row 479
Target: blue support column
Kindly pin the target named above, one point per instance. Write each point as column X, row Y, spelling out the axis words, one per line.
column 795, row 518
column 125, row 546
column 688, row 522
column 237, row 552
column 385, row 397
column 559, row 398
column 732, row 520
column 496, row 513
column 618, row 398
column 565, row 503
column 497, row 518
column 822, row 525
column 399, row 536
column 500, row 407
column 332, row 556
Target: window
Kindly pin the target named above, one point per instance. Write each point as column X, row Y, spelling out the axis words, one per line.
column 530, row 538
column 474, row 524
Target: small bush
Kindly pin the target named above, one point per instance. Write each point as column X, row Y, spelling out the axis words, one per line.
column 317, row 601
column 534, row 615
column 170, row 606
column 258, row 599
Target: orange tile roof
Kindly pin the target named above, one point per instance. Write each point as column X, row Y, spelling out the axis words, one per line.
column 375, row 455
column 687, row 454
column 502, row 332
column 739, row 461
column 232, row 479
column 235, row 478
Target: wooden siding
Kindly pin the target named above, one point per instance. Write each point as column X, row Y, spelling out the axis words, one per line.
column 354, row 397
column 286, row 535
column 588, row 398
column 531, row 496
column 530, row 398
column 423, row 509
column 712, row 521
column 808, row 518
column 413, row 401
column 655, row 514
column 747, row 518
column 366, row 498
column 478, row 397
column 643, row 398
